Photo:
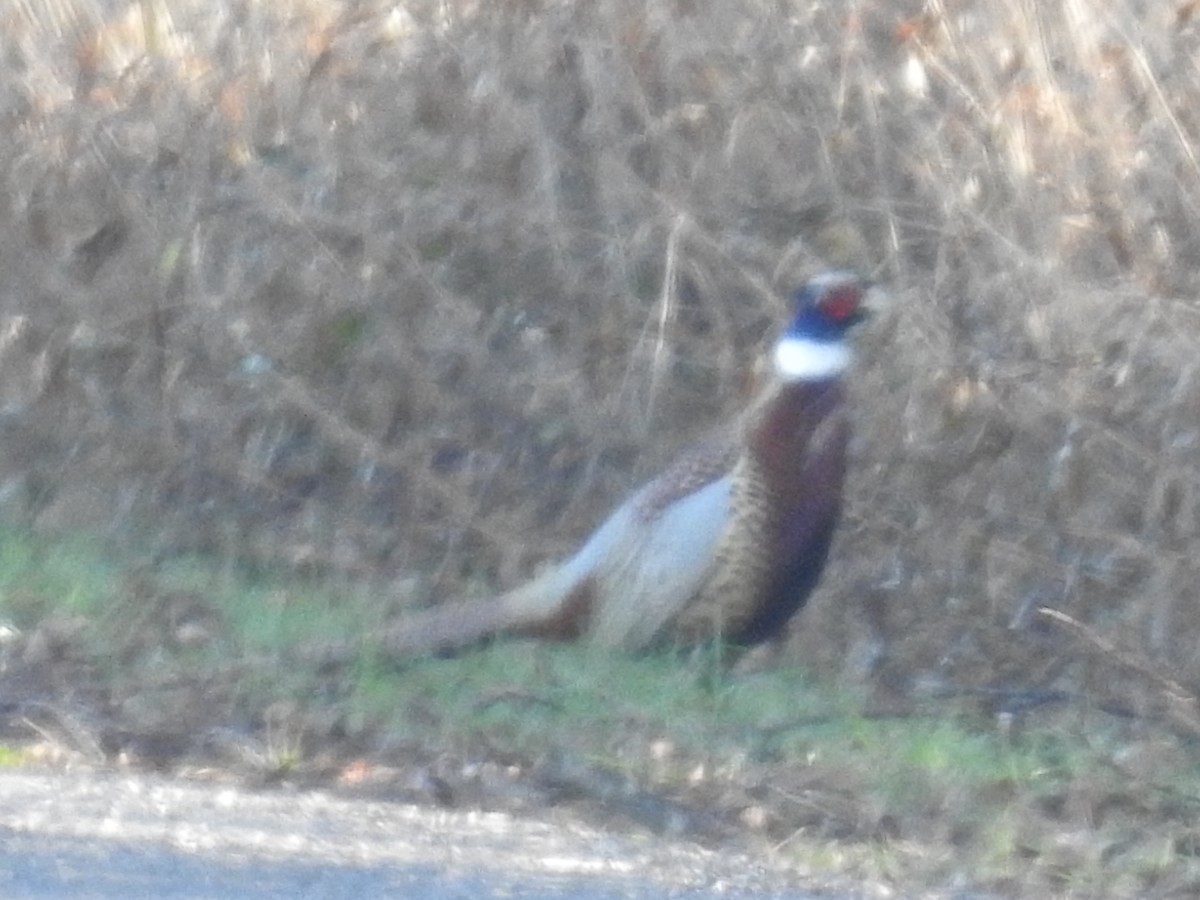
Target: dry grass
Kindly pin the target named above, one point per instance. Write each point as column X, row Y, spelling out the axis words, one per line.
column 413, row 292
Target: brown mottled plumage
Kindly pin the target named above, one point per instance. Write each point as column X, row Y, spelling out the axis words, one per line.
column 727, row 542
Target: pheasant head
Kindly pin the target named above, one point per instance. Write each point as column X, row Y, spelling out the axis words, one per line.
column 814, row 348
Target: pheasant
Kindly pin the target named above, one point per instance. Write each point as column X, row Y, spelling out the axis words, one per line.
column 728, row 542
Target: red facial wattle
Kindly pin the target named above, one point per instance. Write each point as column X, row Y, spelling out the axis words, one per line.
column 842, row 303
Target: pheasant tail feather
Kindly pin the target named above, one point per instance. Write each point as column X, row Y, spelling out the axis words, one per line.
column 547, row 606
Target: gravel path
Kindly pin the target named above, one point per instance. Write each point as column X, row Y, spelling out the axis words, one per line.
column 108, row 835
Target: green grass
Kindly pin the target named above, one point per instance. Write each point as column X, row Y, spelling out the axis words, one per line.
column 70, row 576
column 13, row 757
column 537, row 696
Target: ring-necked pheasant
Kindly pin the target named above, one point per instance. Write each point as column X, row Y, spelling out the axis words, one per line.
column 728, row 542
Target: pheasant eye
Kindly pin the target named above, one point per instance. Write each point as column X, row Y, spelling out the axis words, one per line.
column 841, row 304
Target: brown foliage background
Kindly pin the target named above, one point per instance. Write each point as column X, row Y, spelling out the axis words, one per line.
column 415, row 291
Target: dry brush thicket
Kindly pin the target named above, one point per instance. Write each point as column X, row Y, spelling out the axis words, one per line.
column 419, row 289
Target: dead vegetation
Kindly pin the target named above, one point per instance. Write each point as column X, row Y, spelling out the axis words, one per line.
column 412, row 292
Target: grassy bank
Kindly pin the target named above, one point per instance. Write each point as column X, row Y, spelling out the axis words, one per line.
column 208, row 671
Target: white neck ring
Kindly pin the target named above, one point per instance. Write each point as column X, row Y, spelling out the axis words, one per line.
column 801, row 359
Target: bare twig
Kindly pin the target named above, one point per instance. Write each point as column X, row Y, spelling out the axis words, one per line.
column 1183, row 705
